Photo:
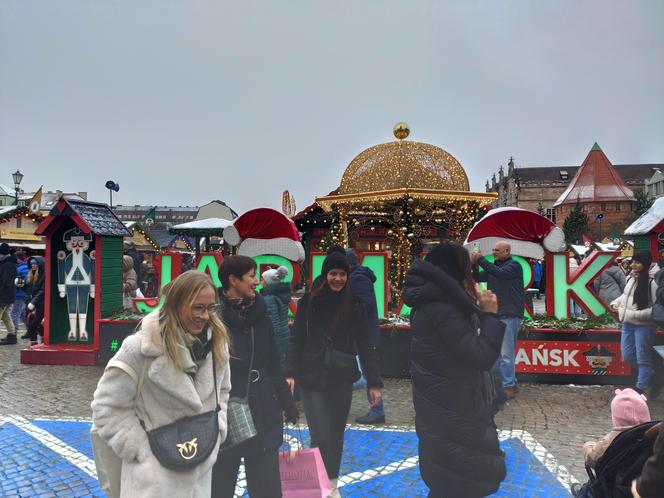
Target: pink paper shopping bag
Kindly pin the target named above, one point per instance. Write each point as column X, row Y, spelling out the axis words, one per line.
column 303, row 474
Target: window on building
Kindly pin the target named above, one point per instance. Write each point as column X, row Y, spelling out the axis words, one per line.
column 602, row 206
column 564, row 175
column 551, row 214
column 617, row 206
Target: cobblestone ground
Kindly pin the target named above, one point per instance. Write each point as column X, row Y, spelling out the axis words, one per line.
column 549, row 420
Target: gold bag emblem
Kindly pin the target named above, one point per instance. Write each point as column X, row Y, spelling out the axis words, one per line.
column 188, row 449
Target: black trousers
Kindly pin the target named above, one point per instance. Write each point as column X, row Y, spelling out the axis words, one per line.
column 261, row 468
column 327, row 412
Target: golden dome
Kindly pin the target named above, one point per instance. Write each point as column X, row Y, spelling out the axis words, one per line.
column 403, row 164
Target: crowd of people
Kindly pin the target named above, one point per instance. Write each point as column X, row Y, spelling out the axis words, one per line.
column 233, row 352
column 259, row 367
column 22, row 281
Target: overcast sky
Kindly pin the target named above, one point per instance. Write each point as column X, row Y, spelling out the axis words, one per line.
column 181, row 102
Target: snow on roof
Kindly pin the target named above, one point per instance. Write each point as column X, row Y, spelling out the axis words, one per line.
column 208, row 224
column 5, row 190
column 648, row 220
column 6, row 209
column 607, row 247
column 580, row 250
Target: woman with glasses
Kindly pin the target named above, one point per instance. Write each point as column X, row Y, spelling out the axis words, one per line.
column 180, row 354
column 256, row 373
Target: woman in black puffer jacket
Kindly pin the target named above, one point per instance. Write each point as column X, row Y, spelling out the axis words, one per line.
column 455, row 344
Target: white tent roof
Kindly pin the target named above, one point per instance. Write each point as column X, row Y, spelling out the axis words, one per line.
column 648, row 220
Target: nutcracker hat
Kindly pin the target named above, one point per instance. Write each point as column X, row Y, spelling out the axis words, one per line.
column 76, row 233
column 527, row 232
column 265, row 231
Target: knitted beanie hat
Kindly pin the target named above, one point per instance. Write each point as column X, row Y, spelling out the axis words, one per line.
column 629, row 408
column 335, row 261
column 643, row 257
column 275, row 275
column 4, row 248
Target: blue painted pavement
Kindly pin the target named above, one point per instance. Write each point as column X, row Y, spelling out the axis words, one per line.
column 377, row 463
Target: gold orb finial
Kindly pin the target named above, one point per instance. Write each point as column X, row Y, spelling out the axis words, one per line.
column 401, row 130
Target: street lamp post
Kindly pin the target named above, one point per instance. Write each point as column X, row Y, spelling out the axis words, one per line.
column 18, row 178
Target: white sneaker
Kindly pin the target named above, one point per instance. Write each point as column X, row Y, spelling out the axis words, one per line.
column 335, row 491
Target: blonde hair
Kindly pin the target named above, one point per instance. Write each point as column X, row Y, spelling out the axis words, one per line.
column 181, row 294
column 33, row 276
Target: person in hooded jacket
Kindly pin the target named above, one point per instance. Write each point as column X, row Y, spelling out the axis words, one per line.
column 455, row 344
column 277, row 295
column 34, row 298
column 244, row 313
column 330, row 317
column 19, row 303
column 7, row 291
column 129, row 281
column 361, row 280
column 609, row 285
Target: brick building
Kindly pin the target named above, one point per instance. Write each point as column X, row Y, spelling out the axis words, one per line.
column 602, row 192
column 539, row 188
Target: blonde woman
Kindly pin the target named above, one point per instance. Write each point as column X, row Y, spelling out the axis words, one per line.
column 177, row 346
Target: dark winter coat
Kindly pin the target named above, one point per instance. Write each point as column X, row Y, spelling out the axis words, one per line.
column 7, row 277
column 362, row 280
column 22, row 270
column 269, row 395
column 277, row 298
column 651, row 482
column 315, row 325
column 452, row 390
column 505, row 279
column 34, row 294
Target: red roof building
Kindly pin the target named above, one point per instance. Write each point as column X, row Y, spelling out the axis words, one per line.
column 603, row 194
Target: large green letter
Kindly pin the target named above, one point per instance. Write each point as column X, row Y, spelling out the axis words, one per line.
column 563, row 286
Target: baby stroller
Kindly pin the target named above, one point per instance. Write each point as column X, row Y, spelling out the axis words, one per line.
column 621, row 463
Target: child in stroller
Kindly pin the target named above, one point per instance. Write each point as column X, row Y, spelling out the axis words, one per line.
column 628, row 409
column 617, row 459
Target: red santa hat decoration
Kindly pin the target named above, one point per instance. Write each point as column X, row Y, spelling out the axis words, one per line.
column 527, row 232
column 265, row 231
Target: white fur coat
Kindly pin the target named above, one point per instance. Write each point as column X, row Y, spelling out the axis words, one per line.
column 167, row 395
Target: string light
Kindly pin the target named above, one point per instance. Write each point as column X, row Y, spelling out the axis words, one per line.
column 409, row 190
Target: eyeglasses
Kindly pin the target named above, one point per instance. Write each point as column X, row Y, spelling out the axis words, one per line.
column 199, row 309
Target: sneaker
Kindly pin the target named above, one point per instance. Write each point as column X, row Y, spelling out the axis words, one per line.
column 510, row 392
column 10, row 339
column 370, row 419
column 576, row 489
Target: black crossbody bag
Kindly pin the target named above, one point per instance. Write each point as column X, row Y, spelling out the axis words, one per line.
column 189, row 441
column 339, row 364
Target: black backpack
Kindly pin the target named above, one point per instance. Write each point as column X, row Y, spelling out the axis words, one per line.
column 621, row 464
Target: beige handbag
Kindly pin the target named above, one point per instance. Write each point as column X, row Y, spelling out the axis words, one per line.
column 108, row 463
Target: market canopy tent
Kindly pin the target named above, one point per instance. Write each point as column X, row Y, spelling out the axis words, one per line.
column 199, row 229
